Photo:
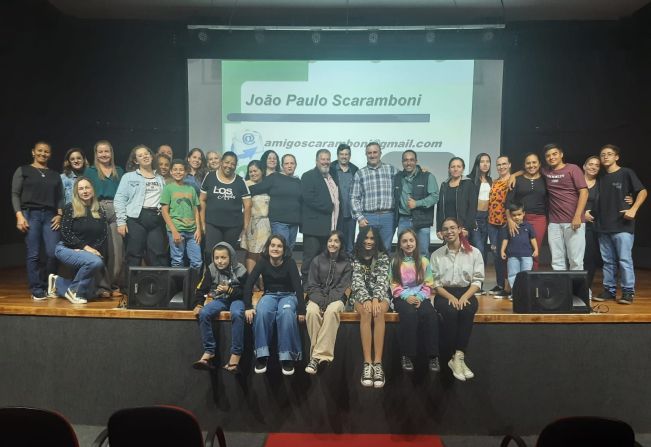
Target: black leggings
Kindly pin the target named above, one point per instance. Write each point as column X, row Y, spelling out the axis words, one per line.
column 215, row 235
column 419, row 327
column 146, row 234
column 456, row 324
column 592, row 257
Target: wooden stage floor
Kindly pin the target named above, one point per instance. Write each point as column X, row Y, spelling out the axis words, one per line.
column 15, row 299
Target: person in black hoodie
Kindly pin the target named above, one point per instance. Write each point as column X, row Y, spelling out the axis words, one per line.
column 457, row 198
column 282, row 301
column 330, row 275
column 220, row 289
column 344, row 172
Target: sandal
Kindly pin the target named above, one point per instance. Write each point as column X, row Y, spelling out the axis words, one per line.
column 233, row 368
column 204, row 364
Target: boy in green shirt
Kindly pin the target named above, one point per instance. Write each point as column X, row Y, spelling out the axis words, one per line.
column 180, row 207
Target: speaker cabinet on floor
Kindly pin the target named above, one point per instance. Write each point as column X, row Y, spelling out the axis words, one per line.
column 161, row 288
column 557, row 292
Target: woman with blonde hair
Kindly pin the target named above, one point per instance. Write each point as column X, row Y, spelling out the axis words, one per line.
column 83, row 235
column 105, row 177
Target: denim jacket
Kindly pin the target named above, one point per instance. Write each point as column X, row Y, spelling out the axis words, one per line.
column 131, row 195
column 68, row 184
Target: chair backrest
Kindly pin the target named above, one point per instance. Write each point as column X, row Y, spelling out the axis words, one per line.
column 23, row 426
column 587, row 431
column 161, row 426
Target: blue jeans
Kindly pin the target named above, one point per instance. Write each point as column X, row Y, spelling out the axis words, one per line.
column 86, row 265
column 384, row 223
column 516, row 265
column 479, row 235
column 278, row 308
column 288, row 231
column 189, row 245
column 347, row 226
column 422, row 234
column 496, row 246
column 616, row 248
column 208, row 314
column 40, row 232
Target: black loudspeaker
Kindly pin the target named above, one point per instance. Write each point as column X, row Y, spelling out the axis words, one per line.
column 160, row 288
column 555, row 292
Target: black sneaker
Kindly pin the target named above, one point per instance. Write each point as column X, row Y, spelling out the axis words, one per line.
column 627, row 298
column 603, row 296
column 434, row 365
column 378, row 375
column 367, row 375
column 313, row 366
column 288, row 367
column 496, row 289
column 500, row 294
column 406, row 363
column 260, row 365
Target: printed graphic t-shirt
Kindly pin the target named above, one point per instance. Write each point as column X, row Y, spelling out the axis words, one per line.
column 182, row 200
column 563, row 192
column 224, row 200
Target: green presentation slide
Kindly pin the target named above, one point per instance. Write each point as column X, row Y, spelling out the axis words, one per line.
column 299, row 107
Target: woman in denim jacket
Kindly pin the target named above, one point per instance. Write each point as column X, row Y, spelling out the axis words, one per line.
column 137, row 209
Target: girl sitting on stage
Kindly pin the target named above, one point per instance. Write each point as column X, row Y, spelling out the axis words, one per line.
column 370, row 293
column 282, row 301
column 329, row 276
column 83, row 233
column 411, row 286
column 458, row 271
column 220, row 289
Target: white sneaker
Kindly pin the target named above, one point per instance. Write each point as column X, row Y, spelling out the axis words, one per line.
column 52, row 285
column 468, row 374
column 73, row 298
column 455, row 364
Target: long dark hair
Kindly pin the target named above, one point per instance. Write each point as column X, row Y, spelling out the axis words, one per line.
column 341, row 255
column 201, row 172
column 263, row 160
column 67, row 166
column 475, row 172
column 399, row 258
column 258, row 164
column 286, row 253
column 360, row 251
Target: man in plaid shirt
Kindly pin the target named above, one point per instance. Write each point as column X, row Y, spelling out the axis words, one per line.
column 372, row 195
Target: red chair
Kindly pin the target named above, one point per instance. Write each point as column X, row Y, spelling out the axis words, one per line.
column 160, row 426
column 30, row 427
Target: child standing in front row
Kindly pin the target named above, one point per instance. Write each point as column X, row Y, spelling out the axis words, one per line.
column 180, row 208
column 521, row 248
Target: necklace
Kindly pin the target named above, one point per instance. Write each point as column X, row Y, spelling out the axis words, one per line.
column 40, row 171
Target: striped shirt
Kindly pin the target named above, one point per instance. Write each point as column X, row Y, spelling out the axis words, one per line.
column 372, row 190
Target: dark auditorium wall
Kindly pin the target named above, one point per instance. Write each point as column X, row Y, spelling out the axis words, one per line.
column 73, row 81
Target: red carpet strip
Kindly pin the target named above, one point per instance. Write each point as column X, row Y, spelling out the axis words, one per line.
column 334, row 440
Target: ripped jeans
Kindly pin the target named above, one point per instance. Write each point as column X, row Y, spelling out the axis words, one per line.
column 279, row 310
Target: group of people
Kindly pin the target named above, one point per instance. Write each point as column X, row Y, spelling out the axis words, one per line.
column 169, row 211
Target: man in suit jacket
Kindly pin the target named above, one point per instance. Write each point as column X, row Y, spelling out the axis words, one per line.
column 320, row 209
